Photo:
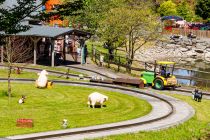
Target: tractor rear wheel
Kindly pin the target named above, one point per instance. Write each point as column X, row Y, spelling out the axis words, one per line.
column 158, row 84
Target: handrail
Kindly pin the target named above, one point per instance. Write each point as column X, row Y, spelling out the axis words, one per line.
column 119, row 63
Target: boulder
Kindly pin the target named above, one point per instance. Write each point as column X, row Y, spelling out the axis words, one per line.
column 201, row 46
column 199, row 51
column 184, row 49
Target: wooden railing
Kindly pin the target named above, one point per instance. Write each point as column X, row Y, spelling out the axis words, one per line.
column 185, row 32
column 194, row 77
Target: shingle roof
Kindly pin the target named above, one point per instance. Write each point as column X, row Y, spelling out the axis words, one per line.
column 46, row 31
column 51, row 32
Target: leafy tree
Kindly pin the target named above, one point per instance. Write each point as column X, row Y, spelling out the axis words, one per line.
column 132, row 26
column 167, row 8
column 184, row 10
column 67, row 8
column 203, row 8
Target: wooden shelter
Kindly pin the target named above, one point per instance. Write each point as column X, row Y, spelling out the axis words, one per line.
column 54, row 36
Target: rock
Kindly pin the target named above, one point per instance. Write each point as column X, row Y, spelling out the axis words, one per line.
column 207, row 49
column 170, row 45
column 200, row 41
column 177, row 46
column 200, row 46
column 184, row 49
column 194, row 41
column 199, row 51
column 192, row 54
column 188, row 43
column 189, row 47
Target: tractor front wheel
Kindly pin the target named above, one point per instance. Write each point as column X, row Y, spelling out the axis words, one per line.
column 158, row 84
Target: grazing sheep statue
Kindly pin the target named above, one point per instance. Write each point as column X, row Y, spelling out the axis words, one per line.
column 42, row 80
column 96, row 98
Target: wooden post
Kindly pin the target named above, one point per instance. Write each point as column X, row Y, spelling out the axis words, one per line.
column 92, row 52
column 108, row 60
column 119, row 64
column 52, row 53
column 35, row 41
column 35, row 52
column 64, row 49
column 95, row 55
column 2, row 54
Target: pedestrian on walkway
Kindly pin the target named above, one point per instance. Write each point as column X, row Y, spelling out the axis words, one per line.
column 85, row 53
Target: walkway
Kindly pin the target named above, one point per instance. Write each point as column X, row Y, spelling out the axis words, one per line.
column 94, row 70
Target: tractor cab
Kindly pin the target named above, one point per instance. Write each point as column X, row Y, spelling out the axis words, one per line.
column 164, row 68
column 162, row 76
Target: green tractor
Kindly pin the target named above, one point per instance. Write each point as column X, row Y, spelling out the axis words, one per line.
column 162, row 76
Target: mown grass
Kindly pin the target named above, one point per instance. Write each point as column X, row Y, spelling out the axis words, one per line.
column 48, row 107
column 194, row 129
column 32, row 75
column 61, row 69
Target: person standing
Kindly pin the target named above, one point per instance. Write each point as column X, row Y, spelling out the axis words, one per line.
column 85, row 53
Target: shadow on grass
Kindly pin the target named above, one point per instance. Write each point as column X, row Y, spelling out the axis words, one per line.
column 98, row 106
column 3, row 93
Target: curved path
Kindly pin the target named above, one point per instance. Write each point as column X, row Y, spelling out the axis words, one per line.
column 167, row 112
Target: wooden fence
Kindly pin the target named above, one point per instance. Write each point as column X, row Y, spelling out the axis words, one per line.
column 185, row 32
column 192, row 78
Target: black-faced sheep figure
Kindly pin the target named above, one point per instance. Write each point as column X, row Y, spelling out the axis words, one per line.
column 197, row 95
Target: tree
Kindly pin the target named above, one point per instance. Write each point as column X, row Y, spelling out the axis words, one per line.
column 91, row 13
column 68, row 8
column 131, row 25
column 167, row 8
column 203, row 8
column 184, row 10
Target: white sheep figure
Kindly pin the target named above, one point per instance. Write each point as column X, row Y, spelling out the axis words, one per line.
column 42, row 80
column 96, row 98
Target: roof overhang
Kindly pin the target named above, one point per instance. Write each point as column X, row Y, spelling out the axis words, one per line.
column 51, row 32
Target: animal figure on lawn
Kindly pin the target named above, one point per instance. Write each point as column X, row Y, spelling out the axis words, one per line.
column 197, row 95
column 65, row 123
column 22, row 100
column 96, row 98
column 41, row 82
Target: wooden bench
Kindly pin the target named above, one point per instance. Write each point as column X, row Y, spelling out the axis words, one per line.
column 28, row 123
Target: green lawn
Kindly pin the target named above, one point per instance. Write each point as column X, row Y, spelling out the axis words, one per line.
column 48, row 107
column 194, row 129
column 61, row 69
column 33, row 75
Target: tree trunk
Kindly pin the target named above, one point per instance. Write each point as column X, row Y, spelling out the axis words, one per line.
column 129, row 58
column 9, row 82
column 9, row 59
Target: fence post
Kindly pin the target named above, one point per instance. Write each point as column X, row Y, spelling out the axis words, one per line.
column 108, row 60
column 145, row 65
column 92, row 52
column 119, row 64
column 95, row 54
column 206, row 83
